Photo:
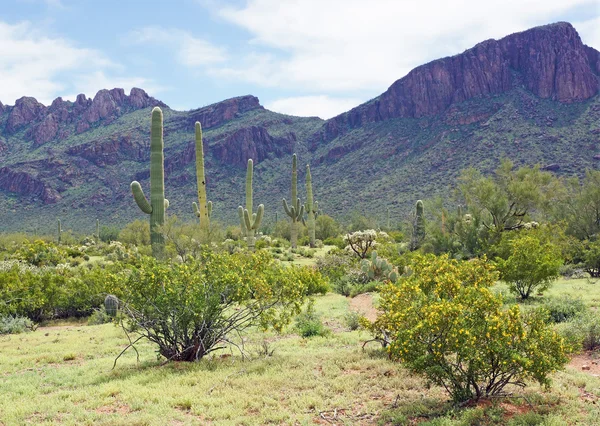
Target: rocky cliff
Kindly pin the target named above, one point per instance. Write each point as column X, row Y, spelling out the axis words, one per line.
column 550, row 61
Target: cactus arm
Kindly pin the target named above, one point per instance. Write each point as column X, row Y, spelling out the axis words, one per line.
column 259, row 216
column 247, row 220
column 209, row 206
column 166, row 204
column 140, row 198
column 242, row 221
column 301, row 212
column 196, row 211
column 288, row 211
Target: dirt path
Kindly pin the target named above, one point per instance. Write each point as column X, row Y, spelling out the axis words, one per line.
column 586, row 362
column 363, row 304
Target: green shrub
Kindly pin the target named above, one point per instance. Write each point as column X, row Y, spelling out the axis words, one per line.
column 352, row 320
column 99, row 317
column 445, row 323
column 527, row 261
column 15, row 324
column 368, row 287
column 41, row 253
column 309, row 323
column 261, row 244
column 333, row 267
column 564, row 308
column 583, row 331
column 335, row 241
column 189, row 309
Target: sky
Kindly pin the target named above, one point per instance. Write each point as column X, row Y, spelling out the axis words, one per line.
column 299, row 57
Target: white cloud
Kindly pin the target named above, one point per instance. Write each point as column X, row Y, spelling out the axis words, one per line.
column 190, row 51
column 365, row 45
column 32, row 64
column 589, row 30
column 309, row 106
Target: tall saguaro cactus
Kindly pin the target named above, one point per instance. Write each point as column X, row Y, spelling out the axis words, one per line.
column 296, row 211
column 312, row 208
column 158, row 204
column 203, row 209
column 250, row 222
column 59, row 231
column 418, row 226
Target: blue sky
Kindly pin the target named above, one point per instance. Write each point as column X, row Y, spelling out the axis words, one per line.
column 308, row 57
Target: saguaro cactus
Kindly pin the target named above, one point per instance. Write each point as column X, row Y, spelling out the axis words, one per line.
column 158, row 204
column 418, row 226
column 296, row 211
column 97, row 230
column 250, row 222
column 311, row 208
column 111, row 305
column 59, row 231
column 203, row 209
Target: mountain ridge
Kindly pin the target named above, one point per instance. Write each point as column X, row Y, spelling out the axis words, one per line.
column 533, row 95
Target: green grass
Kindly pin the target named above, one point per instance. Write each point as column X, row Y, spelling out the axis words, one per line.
column 62, row 375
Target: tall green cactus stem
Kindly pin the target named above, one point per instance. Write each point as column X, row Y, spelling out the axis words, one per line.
column 311, row 208
column 158, row 204
column 418, row 226
column 296, row 211
column 249, row 222
column 203, row 209
column 59, row 231
column 97, row 230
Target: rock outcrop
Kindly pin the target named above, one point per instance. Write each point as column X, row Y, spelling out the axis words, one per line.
column 24, row 183
column 26, row 110
column 219, row 113
column 550, row 61
column 251, row 142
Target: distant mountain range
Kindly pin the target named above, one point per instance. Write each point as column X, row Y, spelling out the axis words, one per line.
column 531, row 96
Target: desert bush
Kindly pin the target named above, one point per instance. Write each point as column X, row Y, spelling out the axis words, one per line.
column 309, row 323
column 333, row 267
column 41, row 253
column 99, row 317
column 54, row 292
column 561, row 309
column 335, row 241
column 192, row 309
column 136, row 233
column 445, row 323
column 326, row 227
column 360, row 242
column 583, row 331
column 109, row 233
column 352, row 320
column 15, row 324
column 528, row 261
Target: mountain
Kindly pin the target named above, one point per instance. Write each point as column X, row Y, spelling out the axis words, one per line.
column 530, row 96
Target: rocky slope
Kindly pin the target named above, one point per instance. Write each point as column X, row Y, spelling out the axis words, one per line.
column 531, row 96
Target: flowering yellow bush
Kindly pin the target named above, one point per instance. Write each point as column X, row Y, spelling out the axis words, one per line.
column 445, row 323
column 194, row 308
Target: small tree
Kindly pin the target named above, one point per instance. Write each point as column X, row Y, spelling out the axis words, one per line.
column 190, row 310
column 360, row 242
column 443, row 321
column 528, row 261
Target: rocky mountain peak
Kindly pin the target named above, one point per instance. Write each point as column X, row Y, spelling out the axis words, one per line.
column 550, row 61
column 26, row 110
